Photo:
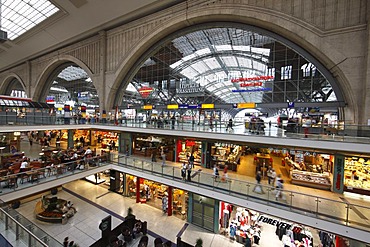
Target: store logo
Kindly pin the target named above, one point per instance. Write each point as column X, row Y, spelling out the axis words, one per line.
column 274, row 222
column 186, row 87
column 257, row 78
column 145, row 91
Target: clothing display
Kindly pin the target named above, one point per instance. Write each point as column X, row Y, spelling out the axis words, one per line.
column 327, row 239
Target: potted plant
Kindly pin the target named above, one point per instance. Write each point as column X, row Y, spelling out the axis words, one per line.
column 199, row 243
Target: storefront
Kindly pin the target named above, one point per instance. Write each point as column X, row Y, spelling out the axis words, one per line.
column 310, row 170
column 186, row 147
column 203, row 212
column 242, row 225
column 226, row 154
column 357, row 175
column 153, row 146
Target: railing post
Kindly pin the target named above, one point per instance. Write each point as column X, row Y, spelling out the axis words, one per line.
column 198, row 179
column 152, row 166
column 229, row 181
column 347, row 215
column 248, row 186
column 6, row 222
column 29, row 240
column 317, row 206
column 17, row 231
column 291, row 200
column 173, row 172
column 142, row 165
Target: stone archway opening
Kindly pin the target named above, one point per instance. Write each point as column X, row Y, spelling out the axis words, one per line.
column 227, row 65
column 71, row 85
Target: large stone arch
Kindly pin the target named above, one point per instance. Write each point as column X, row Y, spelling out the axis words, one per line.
column 293, row 29
column 53, row 69
column 6, row 84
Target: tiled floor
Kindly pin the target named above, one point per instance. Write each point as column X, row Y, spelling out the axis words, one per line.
column 83, row 227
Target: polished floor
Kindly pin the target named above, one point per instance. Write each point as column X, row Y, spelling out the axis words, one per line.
column 94, row 202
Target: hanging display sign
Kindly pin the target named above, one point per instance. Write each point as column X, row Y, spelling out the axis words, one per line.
column 172, row 107
column 245, row 105
column 257, row 78
column 338, row 175
column 189, row 88
column 252, row 90
column 145, row 91
column 147, row 107
column 208, row 106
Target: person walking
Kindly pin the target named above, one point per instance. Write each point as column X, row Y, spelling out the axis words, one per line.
column 183, row 171
column 269, row 176
column 230, row 125
column 189, row 171
column 216, row 173
column 165, row 202
column 225, row 175
column 273, row 176
column 279, row 187
column 191, row 160
column 163, row 155
column 258, row 188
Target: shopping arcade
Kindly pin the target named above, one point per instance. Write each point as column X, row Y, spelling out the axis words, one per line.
column 235, row 192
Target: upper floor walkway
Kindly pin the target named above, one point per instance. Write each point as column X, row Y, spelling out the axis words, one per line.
column 342, row 214
column 273, row 135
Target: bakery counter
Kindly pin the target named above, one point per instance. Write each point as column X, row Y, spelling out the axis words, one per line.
column 310, row 179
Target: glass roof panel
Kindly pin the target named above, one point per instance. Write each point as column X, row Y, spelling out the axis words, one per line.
column 200, row 67
column 230, row 61
column 20, row 16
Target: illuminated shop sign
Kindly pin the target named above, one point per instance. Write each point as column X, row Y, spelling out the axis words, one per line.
column 147, row 107
column 172, row 106
column 245, row 105
column 186, row 87
column 252, row 90
column 145, row 91
column 257, row 78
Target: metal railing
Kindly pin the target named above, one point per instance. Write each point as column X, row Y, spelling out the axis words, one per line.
column 25, row 230
column 344, row 132
column 36, row 176
column 315, row 206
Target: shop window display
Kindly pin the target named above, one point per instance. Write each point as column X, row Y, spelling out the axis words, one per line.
column 226, row 154
column 357, row 175
column 247, row 226
column 309, row 170
column 189, row 147
column 151, row 146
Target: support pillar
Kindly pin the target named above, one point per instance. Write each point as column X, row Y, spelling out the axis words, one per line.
column 190, row 207
column 70, row 141
column 138, row 189
column 169, row 210
column 206, row 154
column 216, row 215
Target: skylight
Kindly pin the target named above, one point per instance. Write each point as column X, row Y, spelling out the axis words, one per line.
column 19, row 16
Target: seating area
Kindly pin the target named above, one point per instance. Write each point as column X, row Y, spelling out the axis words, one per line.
column 18, row 169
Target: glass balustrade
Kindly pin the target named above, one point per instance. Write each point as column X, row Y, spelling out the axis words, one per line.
column 36, row 176
column 345, row 132
column 310, row 205
column 25, row 230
